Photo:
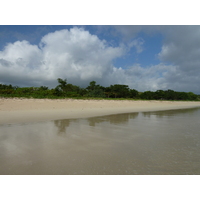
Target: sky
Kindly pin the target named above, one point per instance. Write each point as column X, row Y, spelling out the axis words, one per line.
column 144, row 57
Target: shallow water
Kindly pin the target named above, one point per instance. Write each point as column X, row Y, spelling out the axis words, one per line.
column 164, row 142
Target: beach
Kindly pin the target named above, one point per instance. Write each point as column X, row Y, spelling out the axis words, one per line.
column 99, row 137
column 19, row 110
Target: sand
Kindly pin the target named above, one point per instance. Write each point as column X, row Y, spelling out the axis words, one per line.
column 17, row 110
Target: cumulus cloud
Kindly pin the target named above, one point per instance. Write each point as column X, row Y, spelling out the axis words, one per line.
column 20, row 61
column 181, row 48
column 78, row 54
column 143, row 79
column 180, row 54
column 138, row 44
column 74, row 54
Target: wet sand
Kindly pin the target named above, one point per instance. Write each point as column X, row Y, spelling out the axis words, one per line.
column 17, row 110
column 145, row 143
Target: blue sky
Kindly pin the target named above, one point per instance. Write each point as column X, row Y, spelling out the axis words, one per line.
column 33, row 34
column 143, row 57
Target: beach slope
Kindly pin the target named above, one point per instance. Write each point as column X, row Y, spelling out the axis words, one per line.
column 33, row 110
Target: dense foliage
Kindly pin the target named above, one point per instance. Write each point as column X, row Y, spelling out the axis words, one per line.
column 67, row 90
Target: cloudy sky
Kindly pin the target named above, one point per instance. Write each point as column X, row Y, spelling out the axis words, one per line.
column 143, row 57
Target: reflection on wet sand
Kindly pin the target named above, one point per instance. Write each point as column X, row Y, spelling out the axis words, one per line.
column 62, row 125
column 170, row 113
column 112, row 119
column 166, row 142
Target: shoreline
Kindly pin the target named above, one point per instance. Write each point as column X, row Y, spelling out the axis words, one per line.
column 17, row 110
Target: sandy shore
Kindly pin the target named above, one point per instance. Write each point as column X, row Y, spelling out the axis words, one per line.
column 33, row 110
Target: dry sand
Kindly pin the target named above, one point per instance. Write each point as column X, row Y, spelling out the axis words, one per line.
column 33, row 110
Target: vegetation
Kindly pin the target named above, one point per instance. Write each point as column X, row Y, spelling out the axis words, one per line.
column 117, row 91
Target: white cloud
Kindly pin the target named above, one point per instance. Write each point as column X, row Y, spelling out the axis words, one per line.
column 181, row 47
column 137, row 77
column 74, row 54
column 180, row 54
column 137, row 43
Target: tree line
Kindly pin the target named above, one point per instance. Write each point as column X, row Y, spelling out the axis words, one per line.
column 93, row 90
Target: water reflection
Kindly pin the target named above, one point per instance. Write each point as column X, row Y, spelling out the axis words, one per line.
column 113, row 119
column 62, row 126
column 170, row 113
column 166, row 142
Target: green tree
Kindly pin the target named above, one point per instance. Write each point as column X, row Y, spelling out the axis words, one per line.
column 192, row 96
column 43, row 88
column 95, row 90
column 61, row 89
column 133, row 93
column 62, row 85
column 160, row 95
column 119, row 91
column 149, row 95
column 171, row 95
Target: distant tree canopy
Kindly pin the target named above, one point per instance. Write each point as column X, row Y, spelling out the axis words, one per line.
column 93, row 90
column 169, row 95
